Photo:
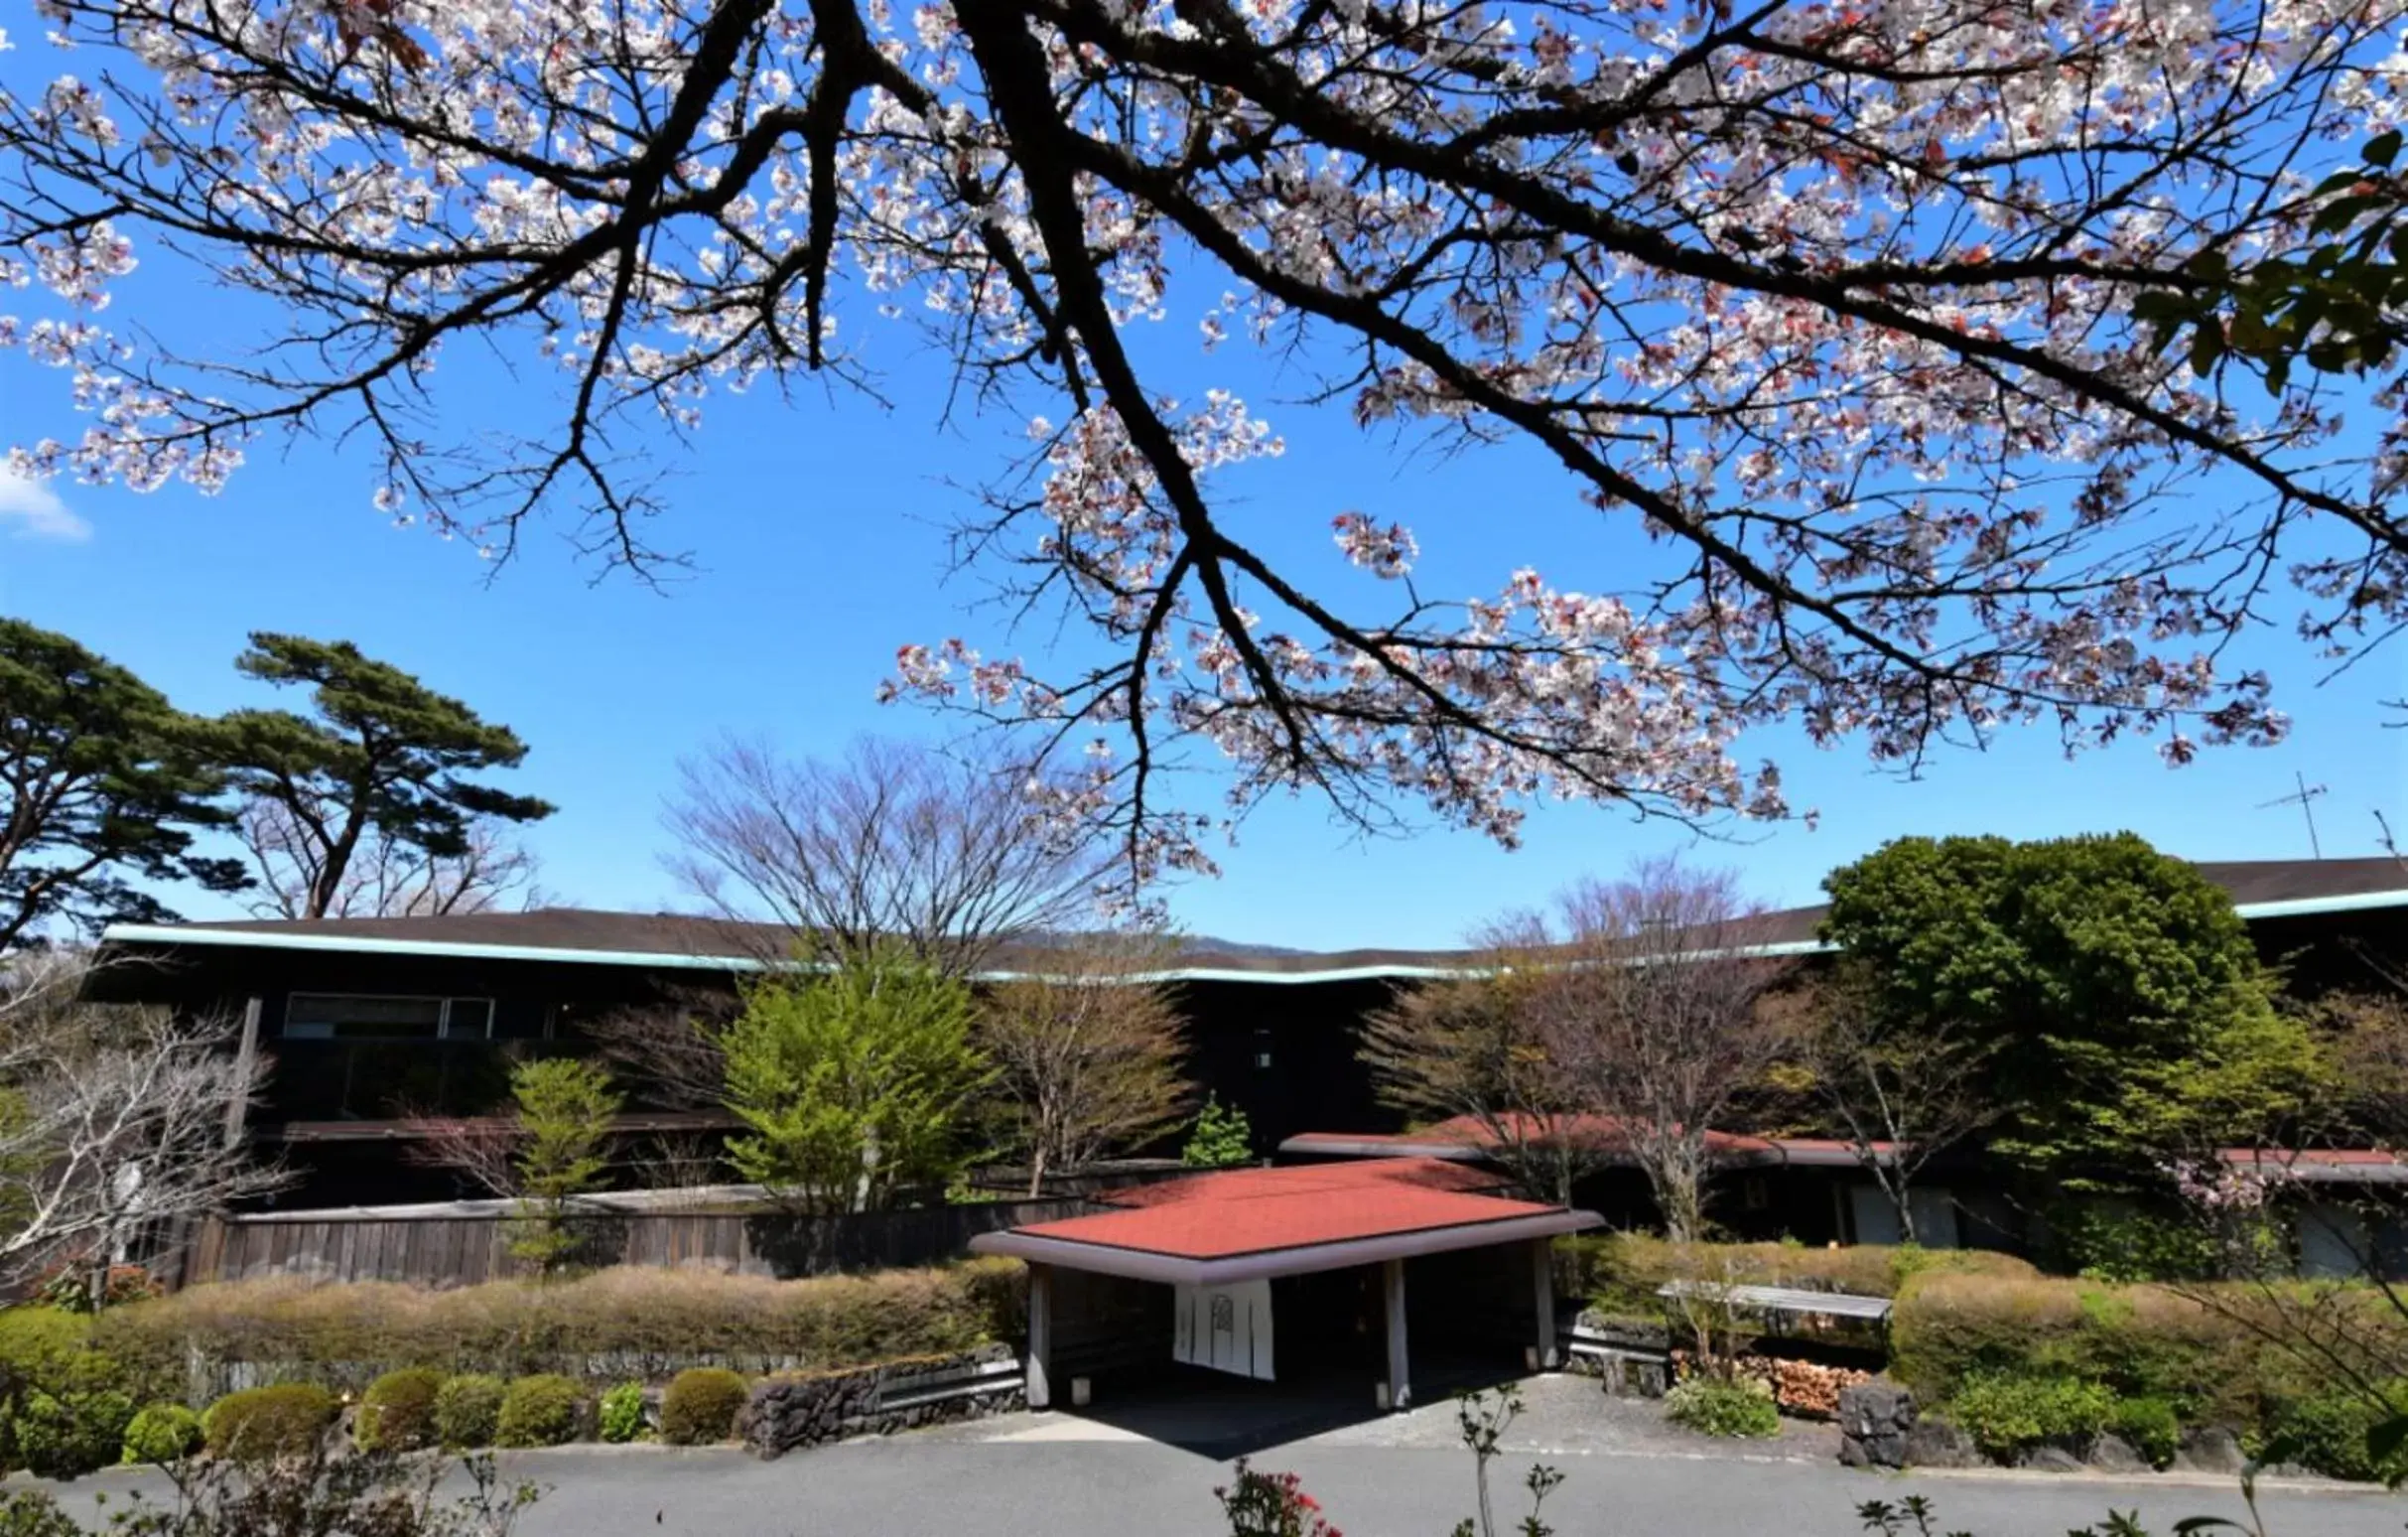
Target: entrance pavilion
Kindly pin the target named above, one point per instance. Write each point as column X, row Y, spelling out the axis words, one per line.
column 1280, row 1273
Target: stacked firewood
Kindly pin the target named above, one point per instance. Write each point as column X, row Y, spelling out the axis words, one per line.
column 1803, row 1388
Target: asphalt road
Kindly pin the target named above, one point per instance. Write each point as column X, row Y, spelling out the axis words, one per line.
column 932, row 1489
column 1059, row 1476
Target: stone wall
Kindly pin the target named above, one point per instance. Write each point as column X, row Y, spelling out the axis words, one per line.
column 785, row 1413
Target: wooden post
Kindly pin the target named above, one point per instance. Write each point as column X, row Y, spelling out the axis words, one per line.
column 247, row 1053
column 1041, row 1336
column 1399, row 1378
column 1542, row 1295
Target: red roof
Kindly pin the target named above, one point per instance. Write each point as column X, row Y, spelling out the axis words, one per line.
column 1256, row 1210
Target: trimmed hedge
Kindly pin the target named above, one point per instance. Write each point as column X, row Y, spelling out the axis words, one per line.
column 397, row 1413
column 540, row 1411
column 701, row 1406
column 2212, row 1366
column 284, row 1420
column 1620, row 1272
column 467, row 1410
column 161, row 1433
column 630, row 1321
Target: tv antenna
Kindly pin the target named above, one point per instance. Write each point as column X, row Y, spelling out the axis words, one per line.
column 2303, row 799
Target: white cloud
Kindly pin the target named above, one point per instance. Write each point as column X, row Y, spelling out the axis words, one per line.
column 32, row 510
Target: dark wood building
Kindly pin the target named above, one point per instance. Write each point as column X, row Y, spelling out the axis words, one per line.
column 370, row 1020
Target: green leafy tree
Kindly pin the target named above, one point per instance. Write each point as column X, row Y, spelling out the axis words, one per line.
column 2338, row 303
column 566, row 1112
column 383, row 759
column 102, row 785
column 856, row 1086
column 1222, row 1137
column 2129, row 1014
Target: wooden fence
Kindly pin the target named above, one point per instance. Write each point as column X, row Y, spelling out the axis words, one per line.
column 434, row 1249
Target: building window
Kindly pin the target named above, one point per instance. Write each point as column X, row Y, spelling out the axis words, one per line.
column 368, row 1017
column 1262, row 1049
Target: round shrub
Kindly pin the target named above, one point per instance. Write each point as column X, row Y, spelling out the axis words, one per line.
column 2005, row 1412
column 33, row 1514
column 288, row 1419
column 622, row 1413
column 66, row 1435
column 467, row 1409
column 161, row 1433
column 397, row 1413
column 1715, row 1407
column 700, row 1406
column 540, row 1411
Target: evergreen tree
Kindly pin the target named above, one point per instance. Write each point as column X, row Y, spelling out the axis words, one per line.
column 2126, row 1015
column 381, row 756
column 102, row 785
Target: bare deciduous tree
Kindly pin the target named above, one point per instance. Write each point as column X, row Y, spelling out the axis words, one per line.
column 1651, row 1008
column 668, row 1049
column 384, row 877
column 115, row 1123
column 1468, row 1050
column 948, row 855
column 1087, row 1050
column 1902, row 1095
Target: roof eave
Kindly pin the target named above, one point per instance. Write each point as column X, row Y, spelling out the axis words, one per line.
column 1303, row 1259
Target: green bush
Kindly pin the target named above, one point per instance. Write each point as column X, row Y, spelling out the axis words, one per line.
column 32, row 1513
column 1717, row 1407
column 2152, row 1427
column 2106, row 1244
column 622, row 1413
column 2005, row 1413
column 2327, row 1431
column 288, row 1419
column 2213, row 1364
column 540, row 1411
column 66, row 1435
column 700, row 1406
column 161, row 1433
column 467, row 1410
column 397, row 1413
column 657, row 1321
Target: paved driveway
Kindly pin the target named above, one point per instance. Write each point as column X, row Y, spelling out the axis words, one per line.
column 1147, row 1470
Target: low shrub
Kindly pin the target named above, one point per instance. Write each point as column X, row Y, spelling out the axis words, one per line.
column 546, row 1410
column 2152, row 1427
column 2213, row 1364
column 2004, row 1413
column 288, row 1419
column 621, row 1415
column 700, row 1406
column 2327, row 1432
column 67, row 1434
column 161, row 1434
column 654, row 1320
column 467, row 1410
column 33, row 1514
column 397, row 1413
column 1717, row 1406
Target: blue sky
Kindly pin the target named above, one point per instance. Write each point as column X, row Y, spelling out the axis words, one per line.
column 818, row 531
